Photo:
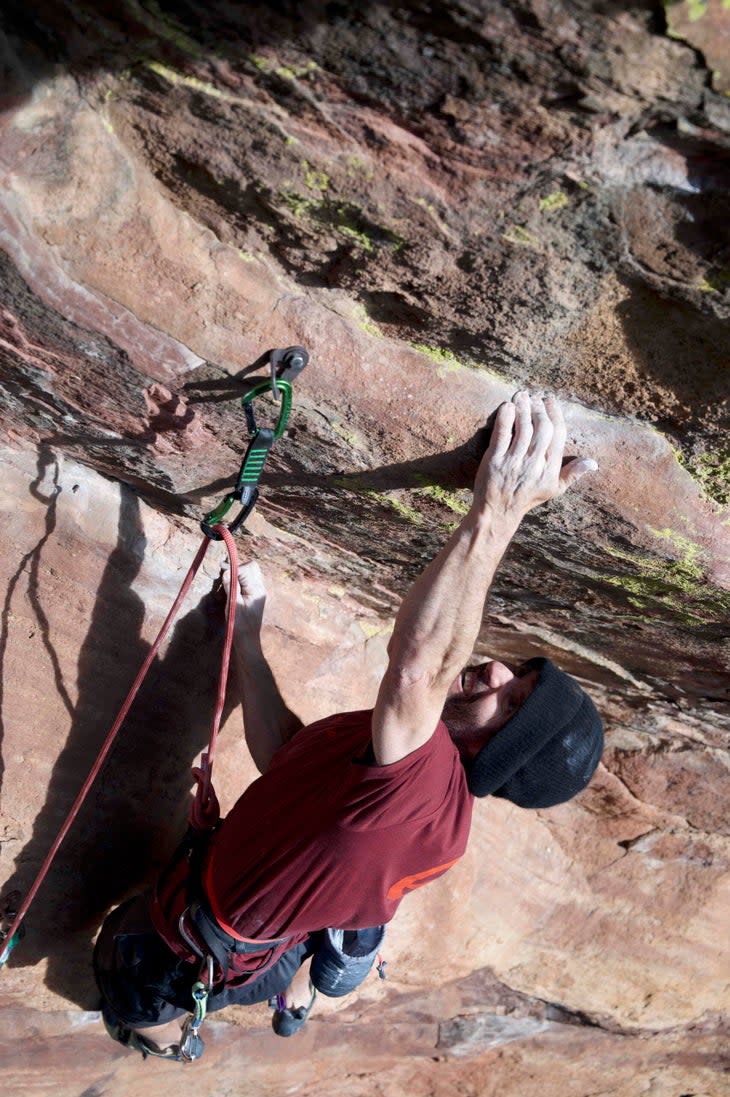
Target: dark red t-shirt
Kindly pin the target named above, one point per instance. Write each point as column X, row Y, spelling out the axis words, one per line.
column 325, row 839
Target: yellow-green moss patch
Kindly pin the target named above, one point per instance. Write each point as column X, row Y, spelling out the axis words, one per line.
column 518, row 234
column 555, row 201
column 365, row 322
column 711, row 471
column 458, row 501
column 678, row 586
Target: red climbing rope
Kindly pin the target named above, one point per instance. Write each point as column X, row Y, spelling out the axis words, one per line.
column 204, row 811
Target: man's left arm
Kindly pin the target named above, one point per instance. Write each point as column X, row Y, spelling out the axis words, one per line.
column 267, row 719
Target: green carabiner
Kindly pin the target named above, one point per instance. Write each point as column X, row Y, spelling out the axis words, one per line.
column 284, row 387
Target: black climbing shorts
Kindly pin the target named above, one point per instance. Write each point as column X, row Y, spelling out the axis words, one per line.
column 143, row 982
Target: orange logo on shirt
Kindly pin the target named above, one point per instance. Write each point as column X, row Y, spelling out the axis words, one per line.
column 410, row 883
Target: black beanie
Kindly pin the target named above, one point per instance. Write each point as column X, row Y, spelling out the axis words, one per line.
column 548, row 751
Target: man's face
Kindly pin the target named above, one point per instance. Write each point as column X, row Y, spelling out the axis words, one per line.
column 481, row 701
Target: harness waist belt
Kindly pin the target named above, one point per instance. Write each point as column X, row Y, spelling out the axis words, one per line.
column 216, row 938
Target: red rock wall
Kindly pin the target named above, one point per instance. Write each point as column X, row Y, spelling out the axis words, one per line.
column 442, row 204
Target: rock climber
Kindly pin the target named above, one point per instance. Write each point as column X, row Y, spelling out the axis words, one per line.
column 356, row 810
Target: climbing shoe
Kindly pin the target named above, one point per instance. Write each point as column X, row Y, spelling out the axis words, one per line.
column 286, row 1022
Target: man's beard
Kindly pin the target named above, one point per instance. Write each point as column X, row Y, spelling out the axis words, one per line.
column 465, row 732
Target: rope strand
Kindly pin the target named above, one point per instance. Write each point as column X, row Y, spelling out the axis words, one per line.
column 121, row 716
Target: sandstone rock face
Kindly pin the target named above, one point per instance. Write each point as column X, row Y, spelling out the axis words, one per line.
column 442, row 204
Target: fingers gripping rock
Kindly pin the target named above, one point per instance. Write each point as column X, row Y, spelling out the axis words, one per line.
column 523, row 464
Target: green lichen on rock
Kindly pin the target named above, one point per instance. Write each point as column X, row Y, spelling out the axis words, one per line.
column 359, row 485
column 431, row 210
column 357, row 237
column 296, row 72
column 164, row 26
column 286, row 72
column 447, row 362
column 518, row 234
column 408, row 513
column 677, row 586
column 696, row 9
column 355, row 166
column 351, row 221
column 297, row 203
column 345, row 218
column 555, row 201
column 179, row 79
column 711, row 471
column 457, row 501
column 690, row 553
column 714, row 281
column 314, row 179
column 365, row 322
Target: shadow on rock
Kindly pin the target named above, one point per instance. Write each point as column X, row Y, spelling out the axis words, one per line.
column 136, row 811
column 94, row 35
column 682, row 351
column 31, row 562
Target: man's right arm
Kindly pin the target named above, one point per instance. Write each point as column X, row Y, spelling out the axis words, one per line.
column 439, row 619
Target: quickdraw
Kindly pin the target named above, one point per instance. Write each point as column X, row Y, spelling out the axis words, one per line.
column 191, row 1042
column 285, row 365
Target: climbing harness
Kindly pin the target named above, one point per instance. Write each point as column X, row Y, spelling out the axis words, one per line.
column 285, row 365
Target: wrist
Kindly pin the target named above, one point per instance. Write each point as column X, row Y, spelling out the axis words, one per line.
column 498, row 523
column 247, row 634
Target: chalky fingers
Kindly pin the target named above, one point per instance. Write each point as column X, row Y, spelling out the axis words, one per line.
column 542, row 429
column 523, row 425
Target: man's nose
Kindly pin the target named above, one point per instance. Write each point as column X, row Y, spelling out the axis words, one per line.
column 497, row 674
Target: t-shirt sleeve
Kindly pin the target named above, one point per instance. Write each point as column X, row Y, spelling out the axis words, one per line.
column 415, row 788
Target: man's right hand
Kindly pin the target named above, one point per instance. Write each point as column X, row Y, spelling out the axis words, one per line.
column 523, row 465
